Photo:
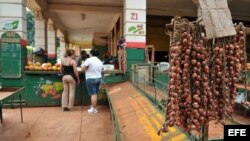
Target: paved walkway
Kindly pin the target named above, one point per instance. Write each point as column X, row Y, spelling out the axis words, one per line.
column 138, row 119
column 52, row 124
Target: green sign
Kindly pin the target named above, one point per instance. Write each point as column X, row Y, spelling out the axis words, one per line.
column 10, row 50
column 11, row 55
column 10, row 25
column 10, row 37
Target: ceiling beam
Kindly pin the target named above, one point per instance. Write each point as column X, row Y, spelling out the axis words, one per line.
column 113, row 22
column 56, row 21
column 84, row 8
column 43, row 5
column 32, row 4
column 240, row 17
column 190, row 13
column 171, row 12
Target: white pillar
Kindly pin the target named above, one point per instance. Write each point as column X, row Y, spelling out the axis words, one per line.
column 135, row 23
column 62, row 47
column 51, row 41
column 13, row 17
column 77, row 50
column 40, row 41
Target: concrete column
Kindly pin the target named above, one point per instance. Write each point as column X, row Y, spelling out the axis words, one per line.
column 77, row 50
column 62, row 47
column 66, row 45
column 51, row 36
column 40, row 26
column 135, row 23
column 13, row 17
column 109, row 42
column 115, row 41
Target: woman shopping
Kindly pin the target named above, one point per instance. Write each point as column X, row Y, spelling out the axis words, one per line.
column 70, row 78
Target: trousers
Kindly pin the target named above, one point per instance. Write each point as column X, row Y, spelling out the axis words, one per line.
column 68, row 95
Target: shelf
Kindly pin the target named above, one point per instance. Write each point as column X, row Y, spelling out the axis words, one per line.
column 41, row 72
column 112, row 72
column 57, row 72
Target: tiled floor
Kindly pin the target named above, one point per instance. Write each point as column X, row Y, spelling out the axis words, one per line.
column 52, row 124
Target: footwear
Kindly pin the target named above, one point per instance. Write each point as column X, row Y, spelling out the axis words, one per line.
column 92, row 110
column 90, row 107
column 65, row 109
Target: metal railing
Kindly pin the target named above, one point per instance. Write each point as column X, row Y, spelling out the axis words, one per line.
column 154, row 84
column 145, row 78
column 116, row 128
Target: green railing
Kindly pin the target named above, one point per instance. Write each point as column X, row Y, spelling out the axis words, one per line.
column 114, row 118
column 154, row 84
column 151, row 82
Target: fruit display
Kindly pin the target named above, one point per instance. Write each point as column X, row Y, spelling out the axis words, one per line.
column 37, row 66
column 203, row 75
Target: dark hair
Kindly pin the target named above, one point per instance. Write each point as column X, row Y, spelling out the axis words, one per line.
column 69, row 52
column 94, row 52
column 83, row 52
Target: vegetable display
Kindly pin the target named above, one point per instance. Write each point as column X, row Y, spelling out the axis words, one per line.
column 203, row 76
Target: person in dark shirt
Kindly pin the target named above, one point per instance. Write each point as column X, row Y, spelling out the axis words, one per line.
column 70, row 78
column 83, row 56
column 107, row 59
column 121, row 43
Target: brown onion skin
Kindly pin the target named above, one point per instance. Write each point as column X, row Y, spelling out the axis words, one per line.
column 202, row 79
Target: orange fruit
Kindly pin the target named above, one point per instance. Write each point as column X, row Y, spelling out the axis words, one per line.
column 49, row 64
column 31, row 67
column 38, row 64
column 29, row 63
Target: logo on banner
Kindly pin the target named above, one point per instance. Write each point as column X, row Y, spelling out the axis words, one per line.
column 137, row 29
column 9, row 25
column 236, row 132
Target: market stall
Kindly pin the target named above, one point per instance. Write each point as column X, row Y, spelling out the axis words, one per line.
column 42, row 81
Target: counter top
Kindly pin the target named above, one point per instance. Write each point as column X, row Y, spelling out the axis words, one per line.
column 41, row 72
column 57, row 72
column 111, row 71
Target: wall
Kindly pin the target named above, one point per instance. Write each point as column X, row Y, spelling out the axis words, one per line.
column 248, row 48
column 156, row 36
column 156, row 32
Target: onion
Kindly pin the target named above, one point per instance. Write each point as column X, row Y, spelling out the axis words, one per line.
column 194, row 75
column 185, row 41
column 194, row 62
column 188, row 51
column 195, row 105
